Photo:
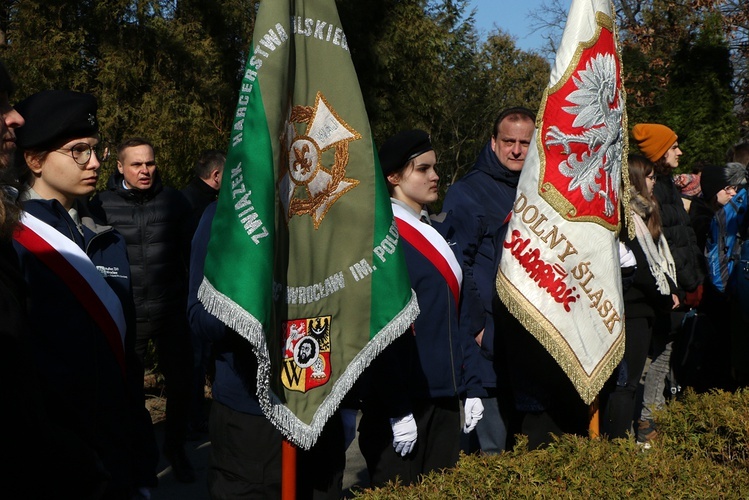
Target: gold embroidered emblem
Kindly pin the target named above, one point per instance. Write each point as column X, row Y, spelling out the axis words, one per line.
column 307, row 185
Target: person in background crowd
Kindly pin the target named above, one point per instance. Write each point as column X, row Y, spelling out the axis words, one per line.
column 425, row 434
column 203, row 189
column 154, row 220
column 649, row 296
column 200, row 192
column 81, row 315
column 478, row 204
column 721, row 229
column 689, row 187
column 661, row 146
column 714, row 197
column 739, row 154
column 543, row 402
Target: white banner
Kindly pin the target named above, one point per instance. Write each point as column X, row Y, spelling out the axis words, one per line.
column 559, row 273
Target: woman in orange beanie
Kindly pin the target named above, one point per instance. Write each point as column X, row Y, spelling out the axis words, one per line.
column 660, row 145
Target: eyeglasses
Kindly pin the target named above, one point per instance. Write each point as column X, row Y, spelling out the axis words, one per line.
column 81, row 152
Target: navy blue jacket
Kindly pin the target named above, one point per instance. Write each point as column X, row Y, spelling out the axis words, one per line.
column 478, row 205
column 84, row 388
column 236, row 367
column 442, row 367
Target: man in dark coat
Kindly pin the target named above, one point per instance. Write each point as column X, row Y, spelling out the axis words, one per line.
column 154, row 220
column 203, row 188
column 479, row 204
column 200, row 192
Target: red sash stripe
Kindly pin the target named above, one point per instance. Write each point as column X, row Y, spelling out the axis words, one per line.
column 425, row 247
column 77, row 284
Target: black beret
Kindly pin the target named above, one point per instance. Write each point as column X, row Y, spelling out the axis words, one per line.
column 53, row 116
column 402, row 148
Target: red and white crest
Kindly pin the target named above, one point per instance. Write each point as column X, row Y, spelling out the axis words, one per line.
column 580, row 144
column 306, row 353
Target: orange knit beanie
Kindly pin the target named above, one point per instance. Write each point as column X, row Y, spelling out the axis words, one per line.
column 653, row 139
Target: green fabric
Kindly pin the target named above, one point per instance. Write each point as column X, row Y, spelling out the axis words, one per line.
column 303, row 236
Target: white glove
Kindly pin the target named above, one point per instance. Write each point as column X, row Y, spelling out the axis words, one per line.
column 474, row 410
column 404, row 434
column 626, row 257
column 348, row 417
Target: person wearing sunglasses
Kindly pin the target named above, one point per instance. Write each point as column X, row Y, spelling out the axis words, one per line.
column 81, row 313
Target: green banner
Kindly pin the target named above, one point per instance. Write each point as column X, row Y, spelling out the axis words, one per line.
column 304, row 259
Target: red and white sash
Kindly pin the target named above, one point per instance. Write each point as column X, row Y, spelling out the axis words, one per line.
column 75, row 268
column 431, row 245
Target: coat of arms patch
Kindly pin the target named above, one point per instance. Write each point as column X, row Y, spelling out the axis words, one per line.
column 306, row 353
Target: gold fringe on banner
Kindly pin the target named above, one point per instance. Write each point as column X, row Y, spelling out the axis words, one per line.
column 588, row 386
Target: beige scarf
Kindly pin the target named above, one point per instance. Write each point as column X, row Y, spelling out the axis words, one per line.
column 658, row 255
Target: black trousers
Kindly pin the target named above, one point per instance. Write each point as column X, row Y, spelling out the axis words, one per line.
column 174, row 352
column 246, row 458
column 245, row 455
column 320, row 470
column 618, row 399
column 437, row 446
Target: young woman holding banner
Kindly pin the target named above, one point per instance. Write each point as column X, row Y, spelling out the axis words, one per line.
column 425, row 429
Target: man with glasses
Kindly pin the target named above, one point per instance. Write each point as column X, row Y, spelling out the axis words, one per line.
column 154, row 220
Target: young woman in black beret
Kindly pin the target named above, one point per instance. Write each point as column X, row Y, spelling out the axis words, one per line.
column 79, row 296
column 424, row 424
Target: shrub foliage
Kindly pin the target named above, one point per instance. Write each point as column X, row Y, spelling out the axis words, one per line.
column 701, row 452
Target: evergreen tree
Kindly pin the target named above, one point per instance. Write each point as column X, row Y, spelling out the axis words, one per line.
column 168, row 71
column 422, row 65
column 678, row 72
column 683, row 67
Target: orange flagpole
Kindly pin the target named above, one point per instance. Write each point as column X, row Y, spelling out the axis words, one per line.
column 288, row 471
column 594, row 428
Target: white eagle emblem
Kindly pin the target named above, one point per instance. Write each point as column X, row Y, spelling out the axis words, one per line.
column 598, row 109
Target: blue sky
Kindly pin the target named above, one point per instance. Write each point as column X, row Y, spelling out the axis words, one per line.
column 512, row 16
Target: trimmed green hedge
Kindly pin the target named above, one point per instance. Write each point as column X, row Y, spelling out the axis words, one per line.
column 701, row 451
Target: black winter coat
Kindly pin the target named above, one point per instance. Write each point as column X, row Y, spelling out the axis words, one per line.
column 155, row 225
column 198, row 195
column 677, row 228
